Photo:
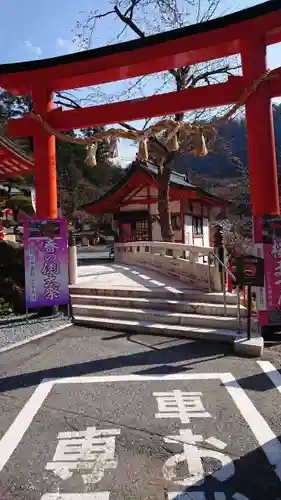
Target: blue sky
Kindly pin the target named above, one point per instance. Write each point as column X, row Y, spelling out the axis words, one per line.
column 35, row 29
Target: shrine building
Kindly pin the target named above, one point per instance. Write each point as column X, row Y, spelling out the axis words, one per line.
column 14, row 161
column 133, row 204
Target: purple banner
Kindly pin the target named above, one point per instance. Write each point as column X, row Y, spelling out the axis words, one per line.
column 46, row 262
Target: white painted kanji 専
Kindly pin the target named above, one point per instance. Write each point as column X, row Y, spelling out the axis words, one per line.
column 193, row 454
column 89, row 452
column 182, row 405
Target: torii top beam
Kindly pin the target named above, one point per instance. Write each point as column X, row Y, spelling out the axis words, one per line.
column 185, row 46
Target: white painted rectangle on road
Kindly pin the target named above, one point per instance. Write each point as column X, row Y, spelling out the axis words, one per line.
column 257, row 424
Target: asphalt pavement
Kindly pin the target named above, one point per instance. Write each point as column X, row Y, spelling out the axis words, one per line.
column 90, row 415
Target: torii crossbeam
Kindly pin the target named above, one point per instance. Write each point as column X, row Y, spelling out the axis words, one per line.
column 247, row 32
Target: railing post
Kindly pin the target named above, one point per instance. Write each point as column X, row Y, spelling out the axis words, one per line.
column 191, row 257
column 217, row 277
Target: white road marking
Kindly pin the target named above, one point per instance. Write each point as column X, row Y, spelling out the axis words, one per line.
column 216, row 443
column 272, row 373
column 179, row 404
column 259, row 427
column 14, row 434
column 90, row 379
column 91, row 451
column 103, row 495
column 35, row 337
column 193, row 454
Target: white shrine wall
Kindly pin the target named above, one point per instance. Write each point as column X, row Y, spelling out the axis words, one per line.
column 186, row 207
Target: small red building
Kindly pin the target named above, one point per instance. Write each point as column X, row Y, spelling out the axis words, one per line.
column 133, row 205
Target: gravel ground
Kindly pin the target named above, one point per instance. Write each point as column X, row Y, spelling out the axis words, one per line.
column 17, row 328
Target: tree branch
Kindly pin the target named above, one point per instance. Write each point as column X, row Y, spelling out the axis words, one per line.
column 129, row 21
column 193, row 80
column 100, row 16
column 130, row 10
column 71, row 102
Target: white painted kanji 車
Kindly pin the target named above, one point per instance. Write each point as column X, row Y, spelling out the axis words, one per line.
column 182, row 405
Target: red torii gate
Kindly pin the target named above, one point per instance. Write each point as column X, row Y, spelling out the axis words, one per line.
column 247, row 32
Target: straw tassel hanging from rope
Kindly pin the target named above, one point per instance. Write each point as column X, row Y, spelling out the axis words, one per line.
column 91, row 159
column 199, row 143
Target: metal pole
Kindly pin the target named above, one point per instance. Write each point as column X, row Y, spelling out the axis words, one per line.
column 238, row 308
column 209, row 273
column 68, row 310
column 249, row 308
column 224, row 291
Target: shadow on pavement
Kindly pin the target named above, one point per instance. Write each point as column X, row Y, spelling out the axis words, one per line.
column 250, row 477
column 163, row 357
column 258, row 382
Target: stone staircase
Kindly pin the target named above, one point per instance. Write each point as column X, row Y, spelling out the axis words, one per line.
column 189, row 313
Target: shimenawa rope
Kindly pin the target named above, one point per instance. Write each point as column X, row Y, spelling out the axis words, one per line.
column 173, row 132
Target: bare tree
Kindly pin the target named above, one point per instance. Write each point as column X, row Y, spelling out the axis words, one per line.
column 237, row 237
column 141, row 18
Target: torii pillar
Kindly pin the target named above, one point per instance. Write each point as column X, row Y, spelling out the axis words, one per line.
column 45, row 157
column 261, row 143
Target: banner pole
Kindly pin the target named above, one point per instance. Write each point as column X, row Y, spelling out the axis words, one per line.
column 249, row 311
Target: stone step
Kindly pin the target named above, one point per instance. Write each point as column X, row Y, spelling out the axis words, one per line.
column 155, row 316
column 185, row 294
column 151, row 328
column 203, row 308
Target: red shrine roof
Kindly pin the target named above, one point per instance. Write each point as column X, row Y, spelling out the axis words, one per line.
column 13, row 160
column 142, row 175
